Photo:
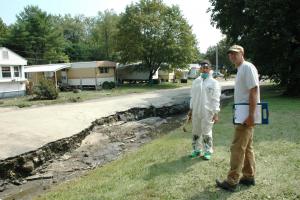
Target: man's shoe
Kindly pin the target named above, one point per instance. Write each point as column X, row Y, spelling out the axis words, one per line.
column 207, row 156
column 226, row 186
column 247, row 181
column 195, row 153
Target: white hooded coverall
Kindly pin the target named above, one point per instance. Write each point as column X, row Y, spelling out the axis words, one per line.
column 204, row 103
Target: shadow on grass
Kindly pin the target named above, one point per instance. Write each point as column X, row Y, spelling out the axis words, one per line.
column 214, row 193
column 180, row 165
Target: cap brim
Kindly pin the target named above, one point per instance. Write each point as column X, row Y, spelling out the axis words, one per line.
column 233, row 50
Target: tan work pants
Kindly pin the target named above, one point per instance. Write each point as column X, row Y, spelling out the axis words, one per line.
column 242, row 160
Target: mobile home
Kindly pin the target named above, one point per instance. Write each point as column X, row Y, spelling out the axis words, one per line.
column 77, row 74
column 93, row 73
column 54, row 72
column 133, row 73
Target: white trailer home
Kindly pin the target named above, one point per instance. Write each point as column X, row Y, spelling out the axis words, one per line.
column 93, row 73
column 54, row 72
column 12, row 77
column 133, row 73
column 77, row 74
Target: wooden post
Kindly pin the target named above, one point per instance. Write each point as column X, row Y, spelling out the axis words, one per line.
column 55, row 79
column 95, row 78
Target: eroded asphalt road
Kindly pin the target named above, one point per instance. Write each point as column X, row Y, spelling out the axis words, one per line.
column 27, row 129
column 104, row 144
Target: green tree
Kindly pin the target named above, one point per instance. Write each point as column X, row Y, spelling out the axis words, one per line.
column 103, row 34
column 223, row 60
column 76, row 32
column 3, row 32
column 35, row 37
column 155, row 34
column 270, row 33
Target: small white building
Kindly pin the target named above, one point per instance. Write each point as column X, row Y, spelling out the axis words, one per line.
column 12, row 76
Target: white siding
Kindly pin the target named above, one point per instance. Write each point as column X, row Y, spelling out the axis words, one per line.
column 11, row 59
column 89, row 81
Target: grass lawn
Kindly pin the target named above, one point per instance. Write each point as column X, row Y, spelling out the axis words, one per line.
column 162, row 170
column 67, row 97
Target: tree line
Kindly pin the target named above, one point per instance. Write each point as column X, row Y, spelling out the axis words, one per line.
column 149, row 32
column 158, row 35
column 44, row 38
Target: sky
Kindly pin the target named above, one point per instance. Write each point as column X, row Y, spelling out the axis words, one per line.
column 193, row 10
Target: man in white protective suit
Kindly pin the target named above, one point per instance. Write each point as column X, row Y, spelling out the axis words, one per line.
column 204, row 108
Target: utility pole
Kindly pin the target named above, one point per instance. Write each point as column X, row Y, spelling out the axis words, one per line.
column 217, row 60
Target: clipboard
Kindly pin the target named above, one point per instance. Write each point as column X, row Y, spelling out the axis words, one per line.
column 241, row 112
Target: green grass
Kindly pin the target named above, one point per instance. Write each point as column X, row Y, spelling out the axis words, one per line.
column 162, row 170
column 70, row 97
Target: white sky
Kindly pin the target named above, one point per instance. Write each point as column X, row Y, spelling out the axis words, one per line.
column 193, row 10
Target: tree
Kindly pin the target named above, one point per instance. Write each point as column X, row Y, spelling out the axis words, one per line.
column 76, row 33
column 103, row 33
column 155, row 34
column 3, row 32
column 270, row 33
column 35, row 37
column 224, row 62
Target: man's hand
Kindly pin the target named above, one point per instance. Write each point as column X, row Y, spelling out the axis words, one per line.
column 215, row 118
column 249, row 121
column 189, row 115
column 252, row 106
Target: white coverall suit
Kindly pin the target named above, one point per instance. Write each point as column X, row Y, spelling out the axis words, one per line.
column 204, row 103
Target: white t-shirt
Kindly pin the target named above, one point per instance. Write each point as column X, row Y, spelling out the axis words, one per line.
column 246, row 78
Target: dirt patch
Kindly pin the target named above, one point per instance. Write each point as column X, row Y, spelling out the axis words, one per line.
column 104, row 143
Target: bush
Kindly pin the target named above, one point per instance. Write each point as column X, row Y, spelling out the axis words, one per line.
column 155, row 81
column 112, row 84
column 45, row 90
column 183, row 80
column 108, row 85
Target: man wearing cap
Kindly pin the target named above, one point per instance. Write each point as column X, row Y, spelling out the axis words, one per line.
column 246, row 90
column 204, row 108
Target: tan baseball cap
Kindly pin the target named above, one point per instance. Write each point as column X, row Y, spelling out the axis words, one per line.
column 236, row 48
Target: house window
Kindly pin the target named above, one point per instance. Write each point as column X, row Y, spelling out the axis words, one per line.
column 5, row 54
column 16, row 72
column 103, row 70
column 6, row 72
column 49, row 74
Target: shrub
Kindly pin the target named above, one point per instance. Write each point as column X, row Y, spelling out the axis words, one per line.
column 45, row 90
column 112, row 84
column 155, row 81
column 108, row 85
